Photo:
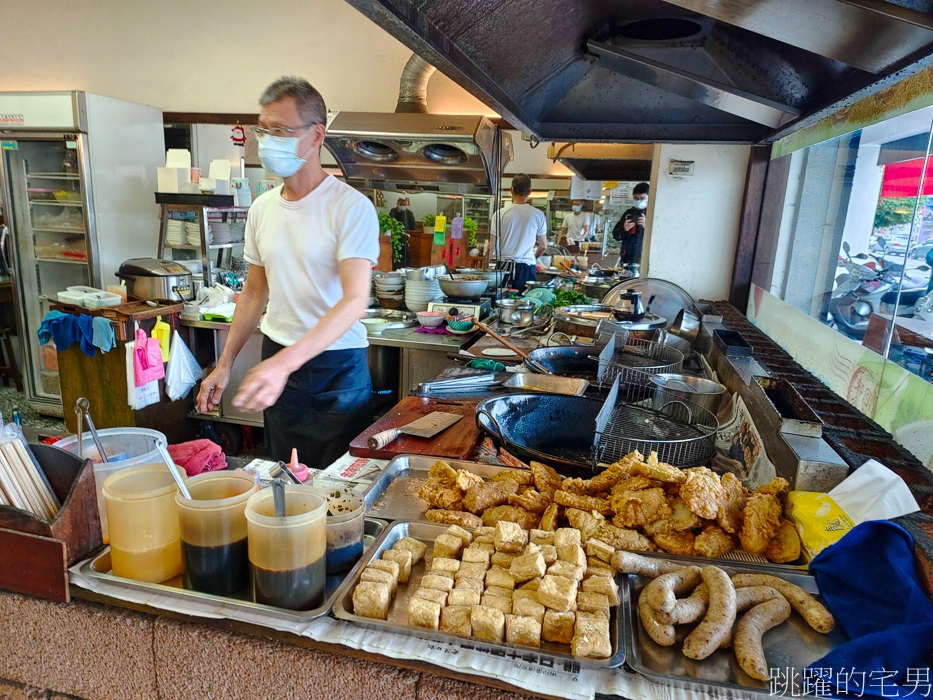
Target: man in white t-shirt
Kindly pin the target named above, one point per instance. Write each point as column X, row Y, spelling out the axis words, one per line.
column 576, row 225
column 523, row 231
column 311, row 244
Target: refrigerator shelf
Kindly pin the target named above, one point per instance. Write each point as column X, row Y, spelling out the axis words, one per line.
column 66, row 261
column 52, row 176
column 50, row 203
column 58, row 229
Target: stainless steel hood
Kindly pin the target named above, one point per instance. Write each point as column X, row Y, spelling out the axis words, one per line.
column 419, row 152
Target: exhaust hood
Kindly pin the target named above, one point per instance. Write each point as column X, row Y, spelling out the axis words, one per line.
column 604, row 161
column 454, row 154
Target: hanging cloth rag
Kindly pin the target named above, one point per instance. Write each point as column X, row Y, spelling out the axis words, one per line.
column 162, row 332
column 103, row 336
column 147, row 359
column 66, row 330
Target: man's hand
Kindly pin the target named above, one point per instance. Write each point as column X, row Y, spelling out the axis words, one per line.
column 263, row 385
column 641, row 220
column 628, row 225
column 212, row 388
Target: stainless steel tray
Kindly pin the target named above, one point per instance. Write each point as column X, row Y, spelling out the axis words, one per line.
column 789, row 648
column 548, row 383
column 398, row 611
column 394, row 495
column 99, row 568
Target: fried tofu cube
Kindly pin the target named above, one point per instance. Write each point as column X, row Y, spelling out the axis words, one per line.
column 424, row 613
column 460, row 532
column 558, row 626
column 461, row 596
column 488, row 623
column 591, row 636
column 497, row 576
column 573, row 554
column 456, row 619
column 557, row 593
column 441, row 583
column 595, row 567
column 441, row 564
column 523, row 594
column 439, row 597
column 469, row 584
column 475, row 555
column 524, row 630
column 391, row 566
column 484, row 531
column 590, row 601
column 529, row 608
column 605, row 585
column 466, row 480
column 510, row 537
column 447, row 546
column 371, row 599
column 550, row 553
column 410, row 544
column 599, row 550
column 501, row 592
column 566, row 537
column 531, row 548
column 527, row 567
column 403, row 558
column 487, row 547
column 542, row 536
column 484, row 539
column 380, row 576
column 566, row 569
column 503, row 559
column 533, row 584
column 471, row 569
column 497, row 602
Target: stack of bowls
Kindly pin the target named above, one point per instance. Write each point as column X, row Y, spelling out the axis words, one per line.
column 390, row 290
column 418, row 294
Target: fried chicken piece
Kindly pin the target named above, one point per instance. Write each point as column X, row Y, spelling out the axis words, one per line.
column 587, row 522
column 546, row 479
column 441, row 495
column 467, row 479
column 531, row 500
column 638, row 508
column 488, row 495
column 762, row 520
column 513, row 514
column 784, row 547
column 523, row 478
column 573, row 500
column 604, row 481
column 628, row 463
column 574, row 485
column 729, row 517
column 620, row 538
column 680, row 519
column 659, row 471
column 442, row 473
column 452, row 517
column 702, row 492
column 550, row 517
column 676, row 542
column 635, row 483
column 713, row 542
column 777, row 487
column 672, row 490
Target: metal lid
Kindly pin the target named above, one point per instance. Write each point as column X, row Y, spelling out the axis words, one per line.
column 152, row 267
column 647, row 322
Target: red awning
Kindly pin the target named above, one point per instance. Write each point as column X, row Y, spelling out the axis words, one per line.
column 903, row 179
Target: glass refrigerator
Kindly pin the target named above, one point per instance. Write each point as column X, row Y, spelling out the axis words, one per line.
column 77, row 176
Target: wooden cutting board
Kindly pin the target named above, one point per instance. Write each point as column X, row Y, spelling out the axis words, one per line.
column 456, row 442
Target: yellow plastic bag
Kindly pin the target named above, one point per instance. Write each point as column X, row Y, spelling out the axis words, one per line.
column 162, row 332
column 819, row 520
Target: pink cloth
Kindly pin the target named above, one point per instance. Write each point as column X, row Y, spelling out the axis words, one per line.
column 147, row 359
column 198, row 456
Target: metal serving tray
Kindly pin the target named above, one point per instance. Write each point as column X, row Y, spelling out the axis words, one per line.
column 548, row 383
column 398, row 610
column 789, row 647
column 99, row 568
column 394, row 495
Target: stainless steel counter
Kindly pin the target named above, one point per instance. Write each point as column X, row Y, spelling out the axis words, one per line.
column 408, row 338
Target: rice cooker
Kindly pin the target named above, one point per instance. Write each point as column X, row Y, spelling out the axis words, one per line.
column 156, row 280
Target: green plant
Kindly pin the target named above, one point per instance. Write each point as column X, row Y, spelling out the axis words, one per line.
column 429, row 219
column 470, row 227
column 894, row 211
column 394, row 228
column 569, row 297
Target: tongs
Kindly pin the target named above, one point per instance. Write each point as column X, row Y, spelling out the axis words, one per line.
column 81, row 409
column 466, row 383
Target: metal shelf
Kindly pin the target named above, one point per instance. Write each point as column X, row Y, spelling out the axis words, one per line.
column 46, row 229
column 183, row 246
column 50, row 203
column 52, row 176
column 219, row 246
column 62, row 260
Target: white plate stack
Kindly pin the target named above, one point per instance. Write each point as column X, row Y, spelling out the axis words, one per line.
column 193, row 232
column 175, row 232
column 390, row 289
column 418, row 294
column 220, row 233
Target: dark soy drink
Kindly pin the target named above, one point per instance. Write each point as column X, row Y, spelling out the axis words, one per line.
column 295, row 589
column 221, row 570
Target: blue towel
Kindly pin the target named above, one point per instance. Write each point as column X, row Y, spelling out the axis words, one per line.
column 870, row 583
column 66, row 330
column 103, row 336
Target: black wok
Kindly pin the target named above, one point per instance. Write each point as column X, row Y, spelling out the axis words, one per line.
column 569, row 360
column 554, row 429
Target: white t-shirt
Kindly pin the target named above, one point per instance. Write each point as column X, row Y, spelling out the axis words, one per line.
column 574, row 224
column 301, row 244
column 520, row 226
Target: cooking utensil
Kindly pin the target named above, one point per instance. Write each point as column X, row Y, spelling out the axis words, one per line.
column 581, row 319
column 453, row 286
column 629, row 306
column 686, row 325
column 425, row 427
column 152, row 278
column 683, row 387
column 81, row 409
column 568, row 360
column 670, row 297
column 507, row 307
column 281, row 469
column 548, row 384
column 532, row 363
column 173, row 470
column 522, row 319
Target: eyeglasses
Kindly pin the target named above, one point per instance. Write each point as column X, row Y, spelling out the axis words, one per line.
column 280, row 131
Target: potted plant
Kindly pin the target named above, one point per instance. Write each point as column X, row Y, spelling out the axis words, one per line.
column 469, row 228
column 394, row 229
column 429, row 220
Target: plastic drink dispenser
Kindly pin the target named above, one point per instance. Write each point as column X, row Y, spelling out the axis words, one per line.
column 213, row 531
column 145, row 542
column 287, row 555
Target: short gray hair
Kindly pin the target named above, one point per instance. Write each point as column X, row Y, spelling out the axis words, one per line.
column 308, row 101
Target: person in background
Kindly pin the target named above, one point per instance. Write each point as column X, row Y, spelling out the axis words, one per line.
column 576, row 225
column 403, row 214
column 311, row 244
column 630, row 230
column 523, row 232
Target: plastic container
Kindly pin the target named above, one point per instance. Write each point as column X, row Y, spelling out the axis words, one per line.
column 100, row 300
column 213, row 531
column 287, row 555
column 344, row 529
column 125, row 447
column 146, row 540
column 72, row 298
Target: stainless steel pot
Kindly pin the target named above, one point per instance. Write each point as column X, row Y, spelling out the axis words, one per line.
column 645, row 328
column 594, row 288
column 507, row 307
column 683, row 387
column 581, row 319
column 462, row 287
column 156, row 280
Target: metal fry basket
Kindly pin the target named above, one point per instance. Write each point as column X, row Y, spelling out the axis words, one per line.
column 632, row 361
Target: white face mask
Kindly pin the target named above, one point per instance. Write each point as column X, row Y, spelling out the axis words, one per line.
column 402, row 207
column 641, row 204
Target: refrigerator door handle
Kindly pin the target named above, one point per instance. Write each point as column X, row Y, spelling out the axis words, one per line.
column 4, row 252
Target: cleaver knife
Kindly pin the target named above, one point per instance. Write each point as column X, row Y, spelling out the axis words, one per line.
column 425, row 427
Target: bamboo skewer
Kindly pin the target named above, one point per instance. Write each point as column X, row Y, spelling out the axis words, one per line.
column 14, row 468
column 44, row 488
column 21, row 484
